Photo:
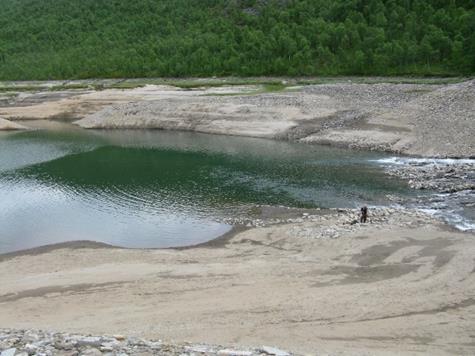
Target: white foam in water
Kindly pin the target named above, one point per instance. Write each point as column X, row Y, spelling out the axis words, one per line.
column 431, row 212
column 465, row 226
column 451, row 218
column 459, row 222
column 437, row 161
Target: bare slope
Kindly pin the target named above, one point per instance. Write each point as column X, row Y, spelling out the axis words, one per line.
column 423, row 120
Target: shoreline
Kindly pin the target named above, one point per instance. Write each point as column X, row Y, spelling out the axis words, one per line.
column 90, row 244
column 273, row 219
column 410, row 119
column 409, row 156
column 328, row 283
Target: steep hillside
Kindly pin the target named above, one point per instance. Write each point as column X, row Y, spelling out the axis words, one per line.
column 53, row 39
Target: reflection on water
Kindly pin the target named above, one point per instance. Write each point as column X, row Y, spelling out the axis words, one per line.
column 157, row 189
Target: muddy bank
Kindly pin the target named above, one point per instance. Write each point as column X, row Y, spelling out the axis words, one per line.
column 402, row 283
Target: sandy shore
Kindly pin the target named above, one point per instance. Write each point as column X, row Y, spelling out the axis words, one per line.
column 416, row 119
column 402, row 284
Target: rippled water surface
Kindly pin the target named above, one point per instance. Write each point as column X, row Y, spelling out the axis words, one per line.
column 160, row 189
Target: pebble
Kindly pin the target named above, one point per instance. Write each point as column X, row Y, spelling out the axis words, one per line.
column 228, row 352
column 90, row 341
column 91, row 352
column 274, row 351
column 8, row 352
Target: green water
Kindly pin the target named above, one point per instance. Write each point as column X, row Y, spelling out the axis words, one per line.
column 161, row 189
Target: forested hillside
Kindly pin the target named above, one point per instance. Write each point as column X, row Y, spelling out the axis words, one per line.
column 52, row 39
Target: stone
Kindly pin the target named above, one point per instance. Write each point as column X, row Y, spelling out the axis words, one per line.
column 274, row 351
column 67, row 353
column 30, row 336
column 31, row 348
column 90, row 341
column 8, row 352
column 64, row 345
column 229, row 352
column 157, row 345
column 199, row 348
column 111, row 344
column 91, row 352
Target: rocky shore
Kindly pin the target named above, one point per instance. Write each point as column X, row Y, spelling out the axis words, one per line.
column 335, row 222
column 443, row 176
column 450, row 183
column 43, row 343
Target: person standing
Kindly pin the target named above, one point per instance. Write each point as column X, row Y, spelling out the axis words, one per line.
column 364, row 214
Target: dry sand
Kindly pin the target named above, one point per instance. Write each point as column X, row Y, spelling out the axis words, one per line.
column 377, row 289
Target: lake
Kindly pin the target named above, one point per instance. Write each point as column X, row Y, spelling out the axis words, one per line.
column 148, row 188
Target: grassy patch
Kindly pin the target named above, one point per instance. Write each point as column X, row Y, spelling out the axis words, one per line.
column 272, row 88
column 267, row 84
column 70, row 87
column 260, row 89
column 418, row 91
column 14, row 88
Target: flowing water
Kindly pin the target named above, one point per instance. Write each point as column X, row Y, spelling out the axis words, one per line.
column 161, row 189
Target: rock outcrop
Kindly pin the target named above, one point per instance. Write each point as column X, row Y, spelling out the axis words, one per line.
column 6, row 125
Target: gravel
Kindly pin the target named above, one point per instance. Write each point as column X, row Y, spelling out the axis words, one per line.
column 45, row 343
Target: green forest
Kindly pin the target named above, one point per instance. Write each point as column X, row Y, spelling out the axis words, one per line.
column 73, row 39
